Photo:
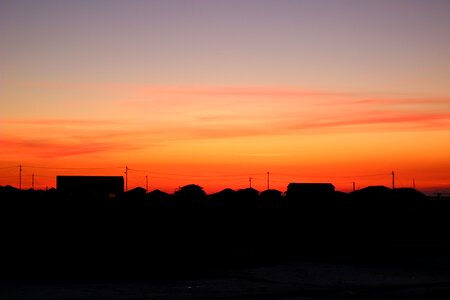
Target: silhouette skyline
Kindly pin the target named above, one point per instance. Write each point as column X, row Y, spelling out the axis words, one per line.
column 138, row 234
column 30, row 177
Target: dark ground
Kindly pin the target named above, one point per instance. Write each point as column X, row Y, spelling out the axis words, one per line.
column 339, row 248
column 409, row 277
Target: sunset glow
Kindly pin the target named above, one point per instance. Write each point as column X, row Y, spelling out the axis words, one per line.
column 214, row 93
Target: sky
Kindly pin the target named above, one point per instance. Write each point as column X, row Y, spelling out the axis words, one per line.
column 215, row 92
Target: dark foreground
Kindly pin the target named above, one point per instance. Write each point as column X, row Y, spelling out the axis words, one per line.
column 411, row 277
column 336, row 248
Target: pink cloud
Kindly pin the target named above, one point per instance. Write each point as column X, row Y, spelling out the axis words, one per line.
column 45, row 148
column 402, row 101
column 416, row 120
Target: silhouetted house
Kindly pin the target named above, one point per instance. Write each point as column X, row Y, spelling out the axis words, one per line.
column 310, row 190
column 409, row 194
column 373, row 193
column 160, row 199
column 136, row 194
column 7, row 190
column 222, row 199
column 158, row 195
column 91, row 186
column 373, row 200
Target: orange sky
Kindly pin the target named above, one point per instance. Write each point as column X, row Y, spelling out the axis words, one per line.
column 220, row 136
column 215, row 92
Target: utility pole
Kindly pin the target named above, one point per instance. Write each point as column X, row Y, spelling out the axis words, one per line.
column 126, row 179
column 146, row 183
column 393, row 180
column 354, row 186
column 250, row 181
column 414, row 183
column 268, row 180
column 20, row 177
column 32, row 181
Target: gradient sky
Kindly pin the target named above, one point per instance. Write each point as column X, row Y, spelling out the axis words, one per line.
column 215, row 92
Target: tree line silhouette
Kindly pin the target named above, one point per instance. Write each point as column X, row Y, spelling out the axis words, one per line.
column 138, row 233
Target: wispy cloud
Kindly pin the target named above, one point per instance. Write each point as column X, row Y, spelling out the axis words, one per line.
column 245, row 90
column 402, row 101
column 52, row 138
column 238, row 91
column 377, row 118
column 264, row 154
column 154, row 114
column 58, row 122
column 43, row 148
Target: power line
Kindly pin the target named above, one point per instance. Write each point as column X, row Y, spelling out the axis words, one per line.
column 72, row 168
column 20, row 177
column 393, row 180
column 126, row 179
column 191, row 175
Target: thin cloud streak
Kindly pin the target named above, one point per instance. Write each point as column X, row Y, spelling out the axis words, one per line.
column 170, row 113
column 424, row 120
column 58, row 122
column 403, row 101
column 42, row 148
column 184, row 89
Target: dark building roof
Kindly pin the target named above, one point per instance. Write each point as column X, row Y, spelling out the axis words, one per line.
column 90, row 184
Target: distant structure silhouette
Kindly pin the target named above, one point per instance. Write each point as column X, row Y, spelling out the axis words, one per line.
column 99, row 186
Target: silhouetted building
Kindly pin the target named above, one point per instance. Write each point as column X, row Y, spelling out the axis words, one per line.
column 409, row 194
column 137, row 192
column 373, row 193
column 310, row 189
column 98, row 186
column 222, row 199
